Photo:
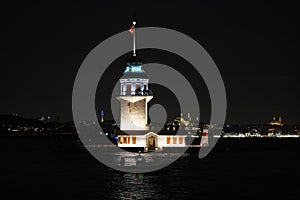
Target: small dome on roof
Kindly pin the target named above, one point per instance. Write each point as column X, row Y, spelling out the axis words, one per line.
column 134, row 68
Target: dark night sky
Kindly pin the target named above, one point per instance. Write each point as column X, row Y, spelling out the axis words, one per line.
column 253, row 44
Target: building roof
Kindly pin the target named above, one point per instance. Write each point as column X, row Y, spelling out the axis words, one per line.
column 134, row 69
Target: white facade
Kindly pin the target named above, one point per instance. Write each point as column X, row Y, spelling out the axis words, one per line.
column 151, row 141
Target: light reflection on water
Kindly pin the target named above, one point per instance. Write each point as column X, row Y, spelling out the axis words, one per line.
column 134, row 186
column 157, row 185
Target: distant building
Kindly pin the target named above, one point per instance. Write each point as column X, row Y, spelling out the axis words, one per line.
column 275, row 122
column 102, row 116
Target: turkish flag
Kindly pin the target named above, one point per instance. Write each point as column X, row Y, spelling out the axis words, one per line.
column 131, row 30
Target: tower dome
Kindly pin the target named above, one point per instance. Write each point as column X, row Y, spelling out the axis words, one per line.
column 134, row 69
column 134, row 80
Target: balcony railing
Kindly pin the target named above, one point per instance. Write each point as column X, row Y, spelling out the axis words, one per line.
column 138, row 93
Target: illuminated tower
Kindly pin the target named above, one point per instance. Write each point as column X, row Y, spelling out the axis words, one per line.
column 134, row 97
column 204, row 138
column 134, row 94
column 102, row 116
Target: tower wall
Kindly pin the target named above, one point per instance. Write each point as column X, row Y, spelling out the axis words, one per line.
column 134, row 115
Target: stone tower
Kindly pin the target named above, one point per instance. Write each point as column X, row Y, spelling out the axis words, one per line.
column 134, row 97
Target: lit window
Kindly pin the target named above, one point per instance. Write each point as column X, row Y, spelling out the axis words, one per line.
column 174, row 140
column 128, row 140
column 180, row 140
column 168, row 140
column 133, row 140
column 121, row 140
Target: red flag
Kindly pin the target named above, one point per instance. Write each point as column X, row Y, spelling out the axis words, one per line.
column 131, row 30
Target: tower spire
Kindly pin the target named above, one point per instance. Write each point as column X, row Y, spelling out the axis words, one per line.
column 134, row 23
column 132, row 31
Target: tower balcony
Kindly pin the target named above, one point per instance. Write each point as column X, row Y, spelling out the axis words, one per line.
column 137, row 92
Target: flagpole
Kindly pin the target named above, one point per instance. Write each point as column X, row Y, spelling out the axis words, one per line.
column 134, row 23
